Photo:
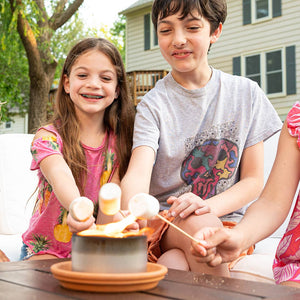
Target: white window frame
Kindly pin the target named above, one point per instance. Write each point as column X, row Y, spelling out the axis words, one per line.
column 152, row 37
column 254, row 9
column 263, row 72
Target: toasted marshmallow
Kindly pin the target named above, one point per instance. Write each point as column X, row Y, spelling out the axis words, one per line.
column 81, row 209
column 143, row 206
column 110, row 198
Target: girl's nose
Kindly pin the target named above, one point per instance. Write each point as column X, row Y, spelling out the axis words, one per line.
column 94, row 82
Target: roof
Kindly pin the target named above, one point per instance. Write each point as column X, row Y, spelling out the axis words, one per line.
column 136, row 6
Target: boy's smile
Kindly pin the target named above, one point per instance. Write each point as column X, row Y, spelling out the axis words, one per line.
column 184, row 43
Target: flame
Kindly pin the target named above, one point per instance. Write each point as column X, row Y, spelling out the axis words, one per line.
column 100, row 231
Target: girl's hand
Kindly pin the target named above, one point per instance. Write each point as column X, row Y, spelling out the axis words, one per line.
column 217, row 245
column 187, row 204
column 76, row 226
column 3, row 257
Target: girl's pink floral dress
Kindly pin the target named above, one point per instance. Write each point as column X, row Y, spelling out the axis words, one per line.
column 48, row 231
column 286, row 266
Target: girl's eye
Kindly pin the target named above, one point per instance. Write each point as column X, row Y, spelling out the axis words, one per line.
column 106, row 78
column 82, row 75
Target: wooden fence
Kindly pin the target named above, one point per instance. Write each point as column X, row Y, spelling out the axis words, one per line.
column 140, row 82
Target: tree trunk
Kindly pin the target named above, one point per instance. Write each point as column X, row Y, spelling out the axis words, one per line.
column 41, row 62
column 39, row 93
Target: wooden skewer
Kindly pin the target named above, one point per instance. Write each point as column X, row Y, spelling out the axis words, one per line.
column 179, row 229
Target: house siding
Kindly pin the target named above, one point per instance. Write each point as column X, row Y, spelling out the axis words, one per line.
column 136, row 57
column 19, row 125
column 236, row 40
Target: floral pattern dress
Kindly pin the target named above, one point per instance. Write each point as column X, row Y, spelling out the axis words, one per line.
column 286, row 266
column 48, row 231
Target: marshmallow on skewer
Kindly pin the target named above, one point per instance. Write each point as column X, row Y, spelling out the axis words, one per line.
column 143, row 206
column 110, row 198
column 81, row 209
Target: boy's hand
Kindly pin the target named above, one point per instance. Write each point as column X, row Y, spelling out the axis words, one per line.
column 219, row 245
column 187, row 204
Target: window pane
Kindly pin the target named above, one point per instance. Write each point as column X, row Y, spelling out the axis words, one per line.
column 252, row 65
column 155, row 42
column 274, row 72
column 274, row 83
column 255, row 78
column 262, row 8
column 274, row 61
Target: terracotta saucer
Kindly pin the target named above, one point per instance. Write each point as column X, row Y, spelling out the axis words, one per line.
column 108, row 282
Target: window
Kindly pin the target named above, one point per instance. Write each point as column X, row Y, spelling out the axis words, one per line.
column 259, row 10
column 274, row 70
column 267, row 70
column 150, row 36
column 8, row 125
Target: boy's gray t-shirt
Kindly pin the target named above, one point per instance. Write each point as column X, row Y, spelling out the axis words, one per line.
column 199, row 135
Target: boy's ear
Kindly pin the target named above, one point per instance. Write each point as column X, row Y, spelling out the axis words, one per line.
column 66, row 84
column 216, row 34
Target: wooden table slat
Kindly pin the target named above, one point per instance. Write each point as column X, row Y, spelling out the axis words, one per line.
column 34, row 280
column 263, row 290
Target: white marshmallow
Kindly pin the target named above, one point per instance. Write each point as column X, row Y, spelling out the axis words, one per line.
column 143, row 206
column 110, row 198
column 81, row 208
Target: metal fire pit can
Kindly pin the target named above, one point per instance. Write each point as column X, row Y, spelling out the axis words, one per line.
column 99, row 254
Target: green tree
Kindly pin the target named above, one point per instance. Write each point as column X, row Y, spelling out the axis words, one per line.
column 36, row 30
column 14, row 82
column 118, row 34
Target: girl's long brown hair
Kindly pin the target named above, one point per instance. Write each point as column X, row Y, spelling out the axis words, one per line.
column 118, row 117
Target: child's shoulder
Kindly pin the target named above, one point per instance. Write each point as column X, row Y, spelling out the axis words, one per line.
column 47, row 132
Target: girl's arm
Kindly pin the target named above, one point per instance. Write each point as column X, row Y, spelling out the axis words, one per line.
column 266, row 214
column 59, row 175
column 138, row 175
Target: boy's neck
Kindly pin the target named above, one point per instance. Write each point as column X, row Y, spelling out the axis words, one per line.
column 193, row 80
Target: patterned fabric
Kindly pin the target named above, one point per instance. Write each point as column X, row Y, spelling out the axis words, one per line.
column 48, row 231
column 286, row 266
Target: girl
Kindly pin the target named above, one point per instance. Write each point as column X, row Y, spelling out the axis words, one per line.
column 267, row 213
column 87, row 144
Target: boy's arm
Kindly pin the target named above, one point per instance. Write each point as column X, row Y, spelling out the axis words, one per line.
column 248, row 188
column 138, row 175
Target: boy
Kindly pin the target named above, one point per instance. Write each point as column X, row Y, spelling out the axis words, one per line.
column 198, row 137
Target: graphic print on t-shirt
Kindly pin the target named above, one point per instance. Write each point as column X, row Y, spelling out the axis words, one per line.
column 207, row 164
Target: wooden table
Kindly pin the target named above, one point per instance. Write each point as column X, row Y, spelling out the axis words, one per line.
column 33, row 280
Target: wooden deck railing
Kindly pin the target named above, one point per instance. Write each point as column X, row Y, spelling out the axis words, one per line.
column 140, row 82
